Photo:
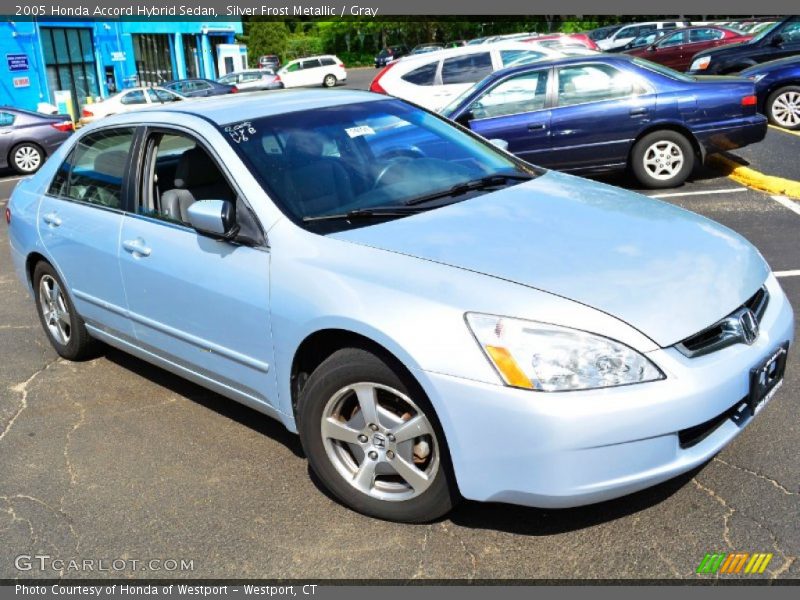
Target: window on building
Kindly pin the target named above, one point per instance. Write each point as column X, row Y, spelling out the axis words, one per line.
column 191, row 55
column 95, row 169
column 69, row 62
column 153, row 59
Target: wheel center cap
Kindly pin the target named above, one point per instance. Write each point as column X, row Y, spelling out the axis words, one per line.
column 378, row 440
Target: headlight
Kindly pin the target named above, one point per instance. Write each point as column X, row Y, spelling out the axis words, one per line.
column 700, row 64
column 550, row 358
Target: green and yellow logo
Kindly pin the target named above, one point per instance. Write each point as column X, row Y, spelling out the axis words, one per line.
column 735, row 563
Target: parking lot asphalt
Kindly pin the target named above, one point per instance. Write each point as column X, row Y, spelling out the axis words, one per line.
column 113, row 458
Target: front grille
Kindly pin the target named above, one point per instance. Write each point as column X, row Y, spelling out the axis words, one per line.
column 692, row 436
column 721, row 334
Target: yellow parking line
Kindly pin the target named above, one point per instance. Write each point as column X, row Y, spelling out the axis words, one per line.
column 753, row 179
column 789, row 131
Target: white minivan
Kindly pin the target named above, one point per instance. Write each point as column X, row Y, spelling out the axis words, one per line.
column 325, row 70
column 433, row 80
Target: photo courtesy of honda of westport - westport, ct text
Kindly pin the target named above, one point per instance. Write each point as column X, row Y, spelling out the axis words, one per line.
column 318, row 300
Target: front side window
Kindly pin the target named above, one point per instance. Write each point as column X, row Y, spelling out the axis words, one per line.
column 321, row 164
column 134, row 97
column 293, row 67
column 592, row 83
column 466, row 69
column 6, row 119
column 424, row 75
column 791, row 32
column 520, row 94
column 676, row 39
column 94, row 170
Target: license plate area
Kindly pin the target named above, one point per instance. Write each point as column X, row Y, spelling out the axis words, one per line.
column 766, row 378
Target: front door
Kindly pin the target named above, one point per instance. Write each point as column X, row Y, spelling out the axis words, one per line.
column 80, row 218
column 514, row 110
column 197, row 302
column 599, row 111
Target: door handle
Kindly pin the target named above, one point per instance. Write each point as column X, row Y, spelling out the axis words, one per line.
column 638, row 112
column 5, row 131
column 52, row 219
column 136, row 247
column 536, row 126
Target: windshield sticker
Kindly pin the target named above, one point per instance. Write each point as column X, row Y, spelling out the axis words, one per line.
column 239, row 132
column 355, row 132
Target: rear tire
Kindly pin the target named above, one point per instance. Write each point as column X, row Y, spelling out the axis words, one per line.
column 662, row 159
column 26, row 158
column 783, row 107
column 348, row 414
column 61, row 322
column 329, row 81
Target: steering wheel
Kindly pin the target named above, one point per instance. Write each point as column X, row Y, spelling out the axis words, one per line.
column 410, row 152
column 394, row 164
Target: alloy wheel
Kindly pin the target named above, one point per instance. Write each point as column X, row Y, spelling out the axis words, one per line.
column 27, row 158
column 786, row 109
column 54, row 310
column 663, row 160
column 380, row 441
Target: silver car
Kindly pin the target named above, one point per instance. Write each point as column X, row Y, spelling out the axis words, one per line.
column 252, row 80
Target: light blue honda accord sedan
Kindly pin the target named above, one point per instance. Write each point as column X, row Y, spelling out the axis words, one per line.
column 436, row 320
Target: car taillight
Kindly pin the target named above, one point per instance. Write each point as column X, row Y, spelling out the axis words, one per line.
column 8, row 216
column 376, row 86
column 63, row 126
column 749, row 101
column 234, row 90
column 341, row 65
column 277, row 78
column 87, row 113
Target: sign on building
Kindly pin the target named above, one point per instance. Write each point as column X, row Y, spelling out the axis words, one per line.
column 22, row 82
column 17, row 62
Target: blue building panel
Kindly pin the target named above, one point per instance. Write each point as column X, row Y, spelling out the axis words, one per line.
column 38, row 57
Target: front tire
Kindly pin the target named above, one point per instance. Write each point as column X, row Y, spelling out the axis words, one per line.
column 61, row 323
column 26, row 158
column 329, row 81
column 783, row 107
column 662, row 159
column 373, row 440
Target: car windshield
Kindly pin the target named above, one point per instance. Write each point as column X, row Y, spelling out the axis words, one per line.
column 352, row 165
column 662, row 70
column 766, row 31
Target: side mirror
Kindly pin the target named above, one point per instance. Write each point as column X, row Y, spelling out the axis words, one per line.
column 214, row 218
column 776, row 40
column 500, row 143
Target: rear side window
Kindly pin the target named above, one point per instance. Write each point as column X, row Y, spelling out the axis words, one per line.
column 135, row 97
column 466, row 69
column 519, row 57
column 705, row 35
column 6, row 119
column 327, row 62
column 95, row 169
column 592, row 83
column 424, row 75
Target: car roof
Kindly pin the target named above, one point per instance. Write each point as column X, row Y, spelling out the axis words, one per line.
column 231, row 108
column 466, row 50
column 567, row 60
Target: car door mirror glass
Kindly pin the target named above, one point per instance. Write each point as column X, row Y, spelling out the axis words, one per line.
column 215, row 218
column 500, row 143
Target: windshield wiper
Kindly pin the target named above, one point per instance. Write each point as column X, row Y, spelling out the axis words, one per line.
column 482, row 183
column 366, row 213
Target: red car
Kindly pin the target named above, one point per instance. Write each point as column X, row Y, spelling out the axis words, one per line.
column 564, row 39
column 677, row 48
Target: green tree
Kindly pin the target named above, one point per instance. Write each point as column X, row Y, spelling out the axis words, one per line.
column 266, row 37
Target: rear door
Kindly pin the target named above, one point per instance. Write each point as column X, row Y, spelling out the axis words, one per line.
column 6, row 133
column 598, row 112
column 516, row 111
column 312, row 72
column 80, row 218
column 669, row 51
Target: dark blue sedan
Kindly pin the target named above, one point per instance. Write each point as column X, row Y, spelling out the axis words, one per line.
column 602, row 113
column 199, row 88
column 778, row 89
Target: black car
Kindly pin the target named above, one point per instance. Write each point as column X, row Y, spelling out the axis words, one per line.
column 28, row 138
column 198, row 88
column 389, row 54
column 779, row 41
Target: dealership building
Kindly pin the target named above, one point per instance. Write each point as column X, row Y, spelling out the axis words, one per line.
column 64, row 63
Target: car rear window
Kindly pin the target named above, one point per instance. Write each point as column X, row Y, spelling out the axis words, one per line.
column 466, row 69
column 424, row 75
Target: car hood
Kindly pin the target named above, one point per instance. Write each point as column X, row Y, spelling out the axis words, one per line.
column 767, row 67
column 726, row 50
column 665, row 271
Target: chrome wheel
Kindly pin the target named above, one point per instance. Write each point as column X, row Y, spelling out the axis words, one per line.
column 329, row 81
column 27, row 159
column 380, row 441
column 54, row 310
column 786, row 109
column 663, row 160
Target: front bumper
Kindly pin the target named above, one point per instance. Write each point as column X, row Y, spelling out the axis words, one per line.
column 556, row 450
column 736, row 134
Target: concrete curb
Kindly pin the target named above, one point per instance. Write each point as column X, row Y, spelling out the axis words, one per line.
column 753, row 179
